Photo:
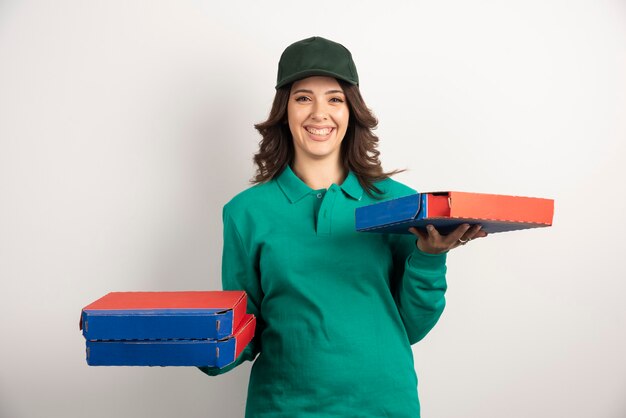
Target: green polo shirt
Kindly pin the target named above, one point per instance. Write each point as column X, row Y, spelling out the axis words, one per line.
column 337, row 310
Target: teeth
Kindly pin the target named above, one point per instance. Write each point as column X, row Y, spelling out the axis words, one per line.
column 324, row 131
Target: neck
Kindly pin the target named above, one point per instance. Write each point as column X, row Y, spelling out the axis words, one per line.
column 319, row 174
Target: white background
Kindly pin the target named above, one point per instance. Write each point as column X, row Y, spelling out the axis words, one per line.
column 125, row 126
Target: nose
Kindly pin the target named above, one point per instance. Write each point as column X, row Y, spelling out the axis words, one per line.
column 319, row 111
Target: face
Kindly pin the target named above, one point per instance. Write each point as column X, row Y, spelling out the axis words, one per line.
column 318, row 117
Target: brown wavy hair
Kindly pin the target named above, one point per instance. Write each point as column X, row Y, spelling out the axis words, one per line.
column 358, row 148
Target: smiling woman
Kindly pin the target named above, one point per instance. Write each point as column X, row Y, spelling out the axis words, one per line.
column 337, row 311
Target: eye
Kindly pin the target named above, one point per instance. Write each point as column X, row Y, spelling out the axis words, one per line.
column 336, row 100
column 302, row 99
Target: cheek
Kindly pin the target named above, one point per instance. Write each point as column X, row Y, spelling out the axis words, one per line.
column 343, row 119
column 292, row 121
column 345, row 116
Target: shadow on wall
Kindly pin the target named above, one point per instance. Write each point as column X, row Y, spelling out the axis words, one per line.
column 213, row 163
column 212, row 156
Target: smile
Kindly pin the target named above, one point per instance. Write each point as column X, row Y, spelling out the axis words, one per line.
column 319, row 132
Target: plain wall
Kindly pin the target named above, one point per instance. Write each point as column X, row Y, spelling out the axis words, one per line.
column 125, row 126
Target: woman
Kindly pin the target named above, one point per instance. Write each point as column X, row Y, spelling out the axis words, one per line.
column 337, row 311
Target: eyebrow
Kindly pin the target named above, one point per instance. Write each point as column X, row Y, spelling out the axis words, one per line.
column 311, row 91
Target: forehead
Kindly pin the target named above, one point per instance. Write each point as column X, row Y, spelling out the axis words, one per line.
column 321, row 83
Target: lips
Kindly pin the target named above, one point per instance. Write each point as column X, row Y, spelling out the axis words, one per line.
column 319, row 131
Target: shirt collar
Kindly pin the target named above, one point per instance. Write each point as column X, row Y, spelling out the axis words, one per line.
column 352, row 187
column 295, row 189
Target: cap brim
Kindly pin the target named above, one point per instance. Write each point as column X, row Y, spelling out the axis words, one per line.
column 309, row 73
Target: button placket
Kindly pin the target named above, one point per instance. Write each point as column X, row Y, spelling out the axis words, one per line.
column 324, row 216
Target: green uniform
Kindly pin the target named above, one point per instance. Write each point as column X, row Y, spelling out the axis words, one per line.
column 337, row 310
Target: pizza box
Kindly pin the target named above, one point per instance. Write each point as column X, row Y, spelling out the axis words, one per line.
column 447, row 210
column 191, row 315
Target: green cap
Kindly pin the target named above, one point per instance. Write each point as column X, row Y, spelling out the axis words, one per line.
column 316, row 56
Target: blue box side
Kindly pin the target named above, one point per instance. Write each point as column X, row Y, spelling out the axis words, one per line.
column 151, row 353
column 390, row 212
column 161, row 353
column 156, row 324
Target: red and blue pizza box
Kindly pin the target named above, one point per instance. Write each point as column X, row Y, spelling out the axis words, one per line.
column 173, row 352
column 449, row 209
column 164, row 315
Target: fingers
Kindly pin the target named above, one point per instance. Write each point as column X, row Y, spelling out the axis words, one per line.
column 418, row 233
column 475, row 232
column 431, row 241
column 456, row 236
column 433, row 233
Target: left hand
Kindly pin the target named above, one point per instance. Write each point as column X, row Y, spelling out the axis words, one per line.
column 434, row 243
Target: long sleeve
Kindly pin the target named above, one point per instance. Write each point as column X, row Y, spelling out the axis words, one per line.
column 240, row 273
column 419, row 286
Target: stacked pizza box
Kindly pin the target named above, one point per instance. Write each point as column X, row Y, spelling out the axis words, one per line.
column 192, row 328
